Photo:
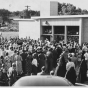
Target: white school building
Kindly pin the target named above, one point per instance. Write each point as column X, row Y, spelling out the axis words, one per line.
column 54, row 27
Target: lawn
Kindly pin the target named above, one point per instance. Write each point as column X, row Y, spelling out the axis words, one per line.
column 10, row 34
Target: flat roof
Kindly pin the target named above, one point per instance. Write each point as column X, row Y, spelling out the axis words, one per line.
column 61, row 16
column 24, row 19
column 50, row 17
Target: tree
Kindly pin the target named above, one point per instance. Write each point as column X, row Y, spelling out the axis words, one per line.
column 5, row 15
column 84, row 11
column 70, row 9
column 28, row 14
column 25, row 14
column 79, row 11
column 59, row 8
column 16, row 13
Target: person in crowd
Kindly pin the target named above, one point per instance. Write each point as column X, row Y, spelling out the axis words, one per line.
column 78, row 55
column 61, row 68
column 73, row 58
column 65, row 55
column 34, row 66
column 2, row 60
column 13, row 60
column 3, row 76
column 28, row 63
column 41, row 58
column 49, row 57
column 18, row 60
column 84, row 49
column 59, row 50
column 35, row 54
column 10, row 52
column 54, row 57
column 82, row 76
column 70, row 71
column 24, row 56
column 12, row 74
column 86, row 57
column 3, row 52
column 7, row 61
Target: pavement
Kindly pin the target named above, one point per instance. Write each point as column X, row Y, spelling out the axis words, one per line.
column 87, row 79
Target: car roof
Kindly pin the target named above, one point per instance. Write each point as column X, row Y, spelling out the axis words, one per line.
column 42, row 81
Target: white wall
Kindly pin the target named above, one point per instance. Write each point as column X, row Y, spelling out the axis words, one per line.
column 29, row 28
column 53, row 8
column 85, row 29
column 62, row 21
column 48, row 8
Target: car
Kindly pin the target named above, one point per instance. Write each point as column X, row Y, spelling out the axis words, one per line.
column 42, row 81
column 45, row 80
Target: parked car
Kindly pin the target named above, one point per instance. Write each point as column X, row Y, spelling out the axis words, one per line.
column 42, row 81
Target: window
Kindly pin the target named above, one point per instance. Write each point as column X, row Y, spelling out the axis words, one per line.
column 47, row 30
column 58, row 29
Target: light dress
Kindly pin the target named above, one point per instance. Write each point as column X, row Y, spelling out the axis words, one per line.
column 18, row 59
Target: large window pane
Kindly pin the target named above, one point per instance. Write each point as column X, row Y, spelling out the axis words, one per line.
column 72, row 30
column 47, row 30
column 58, row 29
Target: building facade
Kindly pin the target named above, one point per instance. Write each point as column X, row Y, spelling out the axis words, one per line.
column 54, row 27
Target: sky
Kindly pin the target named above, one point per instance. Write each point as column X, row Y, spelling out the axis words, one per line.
column 19, row 5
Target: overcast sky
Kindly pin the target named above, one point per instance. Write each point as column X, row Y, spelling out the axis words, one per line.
column 19, row 5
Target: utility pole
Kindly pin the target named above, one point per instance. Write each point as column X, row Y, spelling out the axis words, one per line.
column 27, row 7
column 28, row 14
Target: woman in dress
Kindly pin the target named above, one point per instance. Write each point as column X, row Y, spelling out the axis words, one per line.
column 29, row 64
column 34, row 66
column 18, row 59
column 61, row 67
column 82, row 76
column 7, row 61
column 70, row 72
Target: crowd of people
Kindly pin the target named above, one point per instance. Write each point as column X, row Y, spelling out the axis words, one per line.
column 21, row 57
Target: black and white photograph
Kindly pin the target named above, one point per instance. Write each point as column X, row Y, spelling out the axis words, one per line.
column 43, row 43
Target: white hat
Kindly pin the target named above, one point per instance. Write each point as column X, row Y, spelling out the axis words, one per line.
column 69, row 65
column 72, row 54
